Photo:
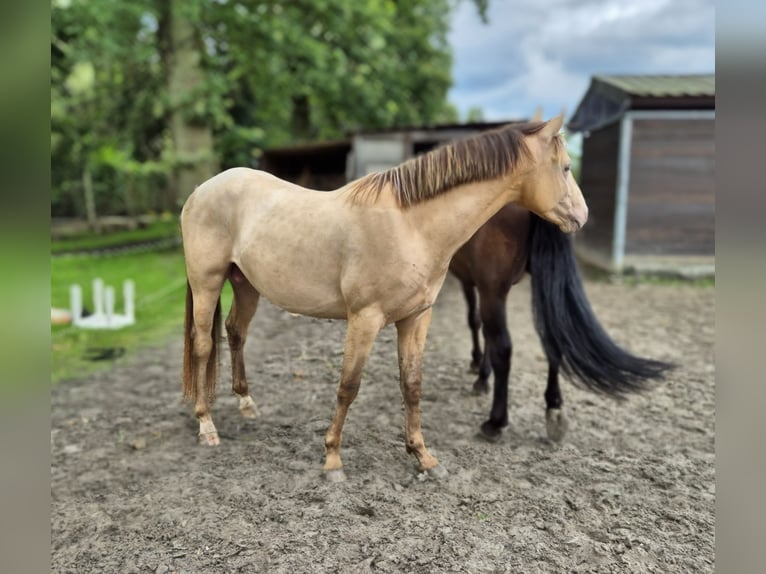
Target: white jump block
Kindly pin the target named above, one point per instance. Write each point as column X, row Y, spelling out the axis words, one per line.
column 103, row 316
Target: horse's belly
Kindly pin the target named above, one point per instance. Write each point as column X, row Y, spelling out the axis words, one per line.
column 315, row 296
column 292, row 274
column 329, row 308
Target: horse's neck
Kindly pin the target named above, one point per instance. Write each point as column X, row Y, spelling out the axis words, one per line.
column 448, row 220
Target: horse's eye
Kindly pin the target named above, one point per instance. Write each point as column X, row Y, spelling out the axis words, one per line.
column 567, row 168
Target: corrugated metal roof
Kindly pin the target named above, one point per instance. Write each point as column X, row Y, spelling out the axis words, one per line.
column 610, row 96
column 468, row 126
column 661, row 86
column 319, row 146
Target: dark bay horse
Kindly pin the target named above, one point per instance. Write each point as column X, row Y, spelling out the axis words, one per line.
column 374, row 252
column 515, row 242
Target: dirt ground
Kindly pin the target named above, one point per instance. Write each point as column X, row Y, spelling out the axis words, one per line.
column 631, row 489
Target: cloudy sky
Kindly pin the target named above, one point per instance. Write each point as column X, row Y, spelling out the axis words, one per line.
column 543, row 52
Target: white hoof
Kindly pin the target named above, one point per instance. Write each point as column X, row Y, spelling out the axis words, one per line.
column 208, row 435
column 247, row 407
column 209, row 439
column 556, row 424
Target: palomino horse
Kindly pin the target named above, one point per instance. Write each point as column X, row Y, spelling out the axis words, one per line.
column 374, row 252
column 512, row 243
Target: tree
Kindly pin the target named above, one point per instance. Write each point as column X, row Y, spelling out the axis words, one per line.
column 106, row 126
column 329, row 66
column 179, row 87
column 180, row 43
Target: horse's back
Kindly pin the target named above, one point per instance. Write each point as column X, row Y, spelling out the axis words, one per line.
column 236, row 185
column 243, row 200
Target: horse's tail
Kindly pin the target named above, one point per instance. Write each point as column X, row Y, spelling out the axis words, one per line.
column 189, row 372
column 567, row 326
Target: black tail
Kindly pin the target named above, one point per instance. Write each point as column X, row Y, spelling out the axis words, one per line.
column 567, row 326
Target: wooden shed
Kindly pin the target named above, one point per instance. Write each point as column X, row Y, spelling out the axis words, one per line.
column 647, row 173
column 329, row 165
column 320, row 165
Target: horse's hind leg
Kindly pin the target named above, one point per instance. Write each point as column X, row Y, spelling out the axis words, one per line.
column 480, row 363
column 202, row 342
column 556, row 424
column 242, row 310
column 474, row 324
column 481, row 384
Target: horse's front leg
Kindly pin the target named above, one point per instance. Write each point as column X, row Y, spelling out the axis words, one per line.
column 362, row 330
column 499, row 350
column 412, row 333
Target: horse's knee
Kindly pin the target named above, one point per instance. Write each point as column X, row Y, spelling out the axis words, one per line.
column 203, row 346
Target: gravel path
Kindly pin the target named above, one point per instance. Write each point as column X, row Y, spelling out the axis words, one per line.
column 632, row 489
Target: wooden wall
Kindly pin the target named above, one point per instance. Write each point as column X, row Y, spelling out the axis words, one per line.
column 671, row 197
column 321, row 169
column 598, row 181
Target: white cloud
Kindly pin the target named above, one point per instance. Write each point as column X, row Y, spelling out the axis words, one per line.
column 544, row 53
column 546, row 79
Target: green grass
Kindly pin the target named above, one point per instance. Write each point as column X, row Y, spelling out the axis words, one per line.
column 160, row 229
column 633, row 278
column 668, row 279
column 160, row 279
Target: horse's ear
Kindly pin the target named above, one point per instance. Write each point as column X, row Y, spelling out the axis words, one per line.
column 552, row 128
column 538, row 117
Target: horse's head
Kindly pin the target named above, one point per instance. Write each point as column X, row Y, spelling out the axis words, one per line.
column 550, row 190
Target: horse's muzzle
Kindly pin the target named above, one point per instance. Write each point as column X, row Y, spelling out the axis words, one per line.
column 579, row 217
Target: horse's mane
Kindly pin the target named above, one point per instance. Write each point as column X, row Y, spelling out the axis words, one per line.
column 485, row 156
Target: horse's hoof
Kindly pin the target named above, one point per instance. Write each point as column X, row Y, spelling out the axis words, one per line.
column 474, row 367
column 437, row 472
column 491, row 432
column 481, row 387
column 209, row 439
column 556, row 424
column 248, row 413
column 247, row 407
column 335, row 475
